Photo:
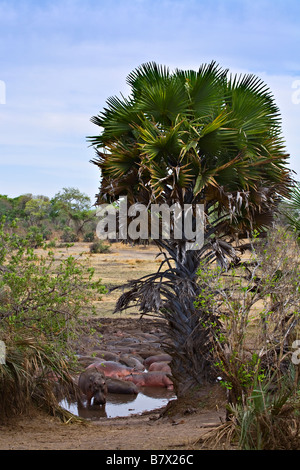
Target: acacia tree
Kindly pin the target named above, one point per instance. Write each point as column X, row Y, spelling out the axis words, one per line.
column 192, row 137
column 72, row 207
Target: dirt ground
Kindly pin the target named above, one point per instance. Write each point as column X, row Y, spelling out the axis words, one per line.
column 175, row 427
column 134, row 433
column 179, row 426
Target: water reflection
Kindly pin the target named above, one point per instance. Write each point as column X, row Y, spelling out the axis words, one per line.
column 120, row 405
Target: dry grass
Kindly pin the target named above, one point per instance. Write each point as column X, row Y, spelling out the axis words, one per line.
column 122, row 264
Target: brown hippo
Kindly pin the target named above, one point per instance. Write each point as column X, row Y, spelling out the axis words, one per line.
column 151, row 379
column 157, row 358
column 120, row 386
column 131, row 361
column 93, row 384
column 112, row 369
column 106, row 355
column 160, row 366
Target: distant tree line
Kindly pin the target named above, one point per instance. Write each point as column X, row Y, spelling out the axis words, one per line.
column 69, row 216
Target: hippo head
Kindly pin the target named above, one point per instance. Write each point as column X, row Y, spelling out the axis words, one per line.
column 98, row 388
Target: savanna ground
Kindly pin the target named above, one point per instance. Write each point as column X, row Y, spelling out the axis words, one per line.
column 176, row 427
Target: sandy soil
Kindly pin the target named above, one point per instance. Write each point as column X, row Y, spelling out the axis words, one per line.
column 148, row 432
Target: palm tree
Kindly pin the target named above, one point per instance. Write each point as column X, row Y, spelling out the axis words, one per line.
column 190, row 137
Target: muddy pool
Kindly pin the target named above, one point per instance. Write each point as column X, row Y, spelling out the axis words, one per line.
column 121, row 405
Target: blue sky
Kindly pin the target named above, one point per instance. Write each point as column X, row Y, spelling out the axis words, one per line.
column 61, row 59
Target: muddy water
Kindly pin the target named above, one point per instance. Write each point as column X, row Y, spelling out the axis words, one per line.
column 149, row 398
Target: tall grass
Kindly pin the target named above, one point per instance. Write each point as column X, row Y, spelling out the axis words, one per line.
column 270, row 419
column 30, row 376
column 257, row 307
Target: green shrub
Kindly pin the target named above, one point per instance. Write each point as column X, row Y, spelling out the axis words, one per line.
column 44, row 293
column 269, row 420
column 69, row 236
column 34, row 237
column 254, row 310
column 99, row 247
column 41, row 314
column 52, row 243
column 89, row 237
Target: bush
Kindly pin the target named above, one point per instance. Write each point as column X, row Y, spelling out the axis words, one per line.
column 44, row 294
column 34, row 237
column 99, row 247
column 270, row 419
column 41, row 314
column 69, row 236
column 255, row 310
column 89, row 237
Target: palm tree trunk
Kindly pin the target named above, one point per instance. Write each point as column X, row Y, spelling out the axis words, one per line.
column 188, row 328
column 171, row 294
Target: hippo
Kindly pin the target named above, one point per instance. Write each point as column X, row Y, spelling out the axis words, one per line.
column 86, row 360
column 146, row 352
column 93, row 384
column 120, row 386
column 106, row 355
column 151, row 379
column 112, row 369
column 157, row 358
column 160, row 366
column 131, row 361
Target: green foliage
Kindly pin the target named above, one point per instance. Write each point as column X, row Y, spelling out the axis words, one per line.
column 196, row 137
column 6, row 206
column 31, row 376
column 257, row 307
column 45, row 296
column 269, row 420
column 34, row 237
column 72, row 201
column 69, row 214
column 89, row 237
column 42, row 308
column 72, row 208
column 37, row 209
column 69, row 236
column 268, row 284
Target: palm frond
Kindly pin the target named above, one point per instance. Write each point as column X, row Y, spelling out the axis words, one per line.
column 188, row 134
